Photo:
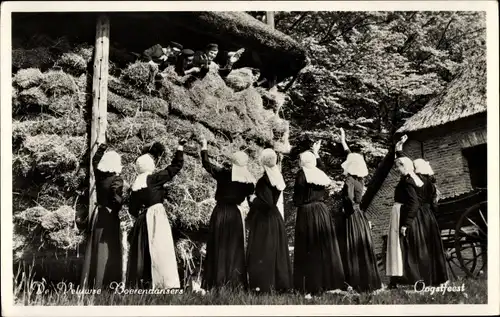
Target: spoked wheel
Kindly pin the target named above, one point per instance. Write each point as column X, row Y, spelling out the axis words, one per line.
column 471, row 236
column 454, row 266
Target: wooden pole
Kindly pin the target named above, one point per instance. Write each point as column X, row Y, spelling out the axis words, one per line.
column 99, row 99
column 280, row 203
column 270, row 18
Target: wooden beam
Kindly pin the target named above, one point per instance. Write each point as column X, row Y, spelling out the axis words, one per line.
column 99, row 99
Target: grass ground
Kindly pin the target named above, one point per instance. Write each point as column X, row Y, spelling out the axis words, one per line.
column 28, row 292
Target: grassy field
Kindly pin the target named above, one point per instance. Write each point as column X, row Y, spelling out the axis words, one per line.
column 28, row 292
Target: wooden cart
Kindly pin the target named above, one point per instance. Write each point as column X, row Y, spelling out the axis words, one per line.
column 463, row 221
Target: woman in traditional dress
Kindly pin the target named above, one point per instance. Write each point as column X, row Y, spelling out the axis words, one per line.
column 317, row 263
column 103, row 257
column 268, row 261
column 406, row 239
column 152, row 261
column 225, row 258
column 360, row 263
column 434, row 271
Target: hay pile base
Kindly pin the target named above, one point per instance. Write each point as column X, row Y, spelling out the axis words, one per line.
column 50, row 145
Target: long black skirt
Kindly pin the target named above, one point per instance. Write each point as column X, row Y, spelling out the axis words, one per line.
column 317, row 263
column 103, row 258
column 139, row 259
column 423, row 253
column 225, row 260
column 360, row 263
column 268, row 261
column 423, row 250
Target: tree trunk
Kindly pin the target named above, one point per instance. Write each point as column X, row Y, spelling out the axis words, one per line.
column 270, row 18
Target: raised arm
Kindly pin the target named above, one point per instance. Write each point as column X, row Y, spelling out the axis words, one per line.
column 205, row 161
column 399, row 147
column 344, row 143
column 170, row 171
column 315, row 149
column 101, row 148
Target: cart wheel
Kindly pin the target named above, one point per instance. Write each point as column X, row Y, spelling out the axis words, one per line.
column 471, row 236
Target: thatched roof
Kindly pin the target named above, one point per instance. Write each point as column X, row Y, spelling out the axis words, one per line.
column 266, row 48
column 465, row 96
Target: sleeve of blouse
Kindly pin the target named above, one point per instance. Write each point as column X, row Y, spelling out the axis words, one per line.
column 208, row 166
column 298, row 191
column 412, row 204
column 350, row 191
column 133, row 206
column 117, row 194
column 98, row 155
column 401, row 154
column 170, row 171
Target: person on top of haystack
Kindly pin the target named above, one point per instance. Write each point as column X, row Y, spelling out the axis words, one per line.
column 231, row 58
column 162, row 56
column 317, row 262
column 360, row 263
column 159, row 58
column 184, row 64
column 225, row 257
column 103, row 257
column 405, row 237
column 152, row 261
column 205, row 59
column 268, row 261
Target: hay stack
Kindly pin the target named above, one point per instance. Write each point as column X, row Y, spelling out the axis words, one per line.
column 51, row 143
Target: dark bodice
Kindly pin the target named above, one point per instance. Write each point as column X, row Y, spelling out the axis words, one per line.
column 227, row 192
column 155, row 192
column 267, row 194
column 109, row 186
column 407, row 194
column 352, row 193
column 306, row 193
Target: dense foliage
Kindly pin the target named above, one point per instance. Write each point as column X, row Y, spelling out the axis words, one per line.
column 369, row 71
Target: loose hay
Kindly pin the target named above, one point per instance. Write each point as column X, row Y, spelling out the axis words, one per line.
column 155, row 105
column 229, row 120
column 27, row 78
column 72, row 63
column 137, row 74
column 53, row 154
column 40, row 58
column 58, row 83
column 34, row 96
column 240, row 79
column 122, row 105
